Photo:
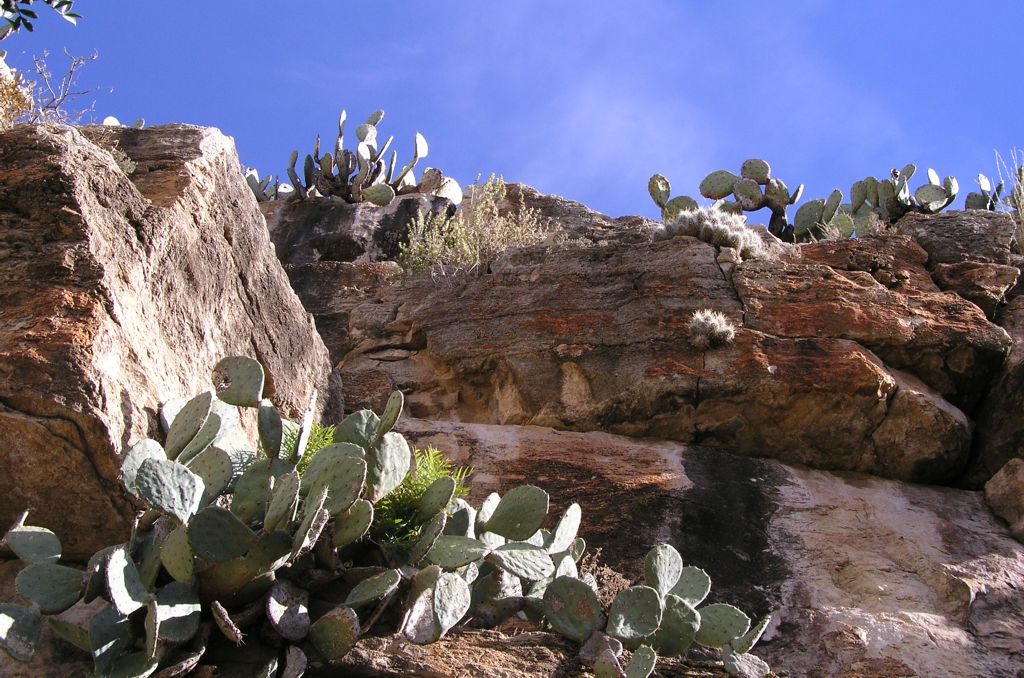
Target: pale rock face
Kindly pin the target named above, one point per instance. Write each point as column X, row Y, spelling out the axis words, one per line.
column 862, row 574
column 1004, row 493
column 119, row 293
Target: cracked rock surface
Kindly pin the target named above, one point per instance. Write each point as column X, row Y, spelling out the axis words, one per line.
column 118, row 294
column 847, row 356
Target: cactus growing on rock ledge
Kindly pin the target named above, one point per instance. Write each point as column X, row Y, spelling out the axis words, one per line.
column 234, row 545
column 363, row 176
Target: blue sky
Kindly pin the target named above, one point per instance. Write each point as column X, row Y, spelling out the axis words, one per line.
column 581, row 99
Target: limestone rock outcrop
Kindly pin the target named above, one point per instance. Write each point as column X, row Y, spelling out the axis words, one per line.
column 119, row 293
column 847, row 355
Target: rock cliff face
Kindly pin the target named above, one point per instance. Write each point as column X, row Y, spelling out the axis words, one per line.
column 119, row 293
column 847, row 356
column 801, row 465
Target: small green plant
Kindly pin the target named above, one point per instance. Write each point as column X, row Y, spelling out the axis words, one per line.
column 484, row 226
column 17, row 14
column 710, row 329
column 397, row 522
column 320, row 436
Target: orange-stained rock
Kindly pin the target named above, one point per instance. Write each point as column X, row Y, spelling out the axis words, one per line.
column 845, row 352
column 117, row 294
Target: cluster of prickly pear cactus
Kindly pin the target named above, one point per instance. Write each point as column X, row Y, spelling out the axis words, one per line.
column 816, row 218
column 985, row 198
column 234, row 541
column 231, row 541
column 365, row 175
column 752, row 190
column 890, row 199
column 268, row 188
column 660, row 190
column 658, row 617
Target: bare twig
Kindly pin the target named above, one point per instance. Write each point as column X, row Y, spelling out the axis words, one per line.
column 52, row 96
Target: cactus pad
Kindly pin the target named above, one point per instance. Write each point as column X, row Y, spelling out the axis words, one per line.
column 284, row 502
column 718, row 184
column 662, row 568
column 932, row 197
column 519, row 513
column 215, row 467
column 693, row 585
column 720, row 624
column 226, row 624
column 428, row 537
column 757, row 170
column 20, row 628
column 747, row 641
column 54, row 588
column 34, row 544
column 124, row 585
column 252, row 492
column 109, row 635
column 679, row 624
column 271, row 429
column 169, row 487
column 635, row 613
column 176, row 555
column 808, row 217
column 287, row 610
column 451, row 551
column 216, row 535
column 641, row 664
column 147, row 553
column 305, row 428
column 295, row 663
column 451, row 601
column 435, row 498
column 244, row 381
column 523, row 560
column 387, row 464
column 315, row 516
column 748, row 195
column 351, row 525
column 374, row 588
column 334, row 634
column 206, row 435
column 421, row 625
column 379, row 194
column 327, row 457
column 95, row 575
column 660, row 189
column 572, row 608
column 138, row 453
column 343, row 482
column 358, row 428
column 188, row 422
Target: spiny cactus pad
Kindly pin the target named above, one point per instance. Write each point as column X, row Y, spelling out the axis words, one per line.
column 693, row 585
column 271, row 429
column 216, row 534
column 334, row 634
column 188, row 423
column 451, row 551
column 642, row 663
column 138, row 453
column 206, row 435
column 572, row 608
column 178, row 609
column 662, row 568
column 721, row 623
column 435, row 498
column 244, row 381
column 216, row 468
column 343, row 482
column 20, row 628
column 284, row 502
column 252, row 492
column 523, row 560
column 519, row 513
column 451, row 601
column 110, row 634
column 287, row 610
column 374, row 588
column 565, row 531
column 635, row 613
column 428, row 537
column 679, row 624
column 176, row 555
column 353, row 524
column 33, row 544
column 169, row 487
column 359, row 428
column 315, row 517
column 747, row 641
column 124, row 585
column 54, row 588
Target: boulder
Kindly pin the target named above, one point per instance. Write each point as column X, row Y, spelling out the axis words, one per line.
column 120, row 293
column 843, row 351
column 864, row 576
column 1004, row 493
